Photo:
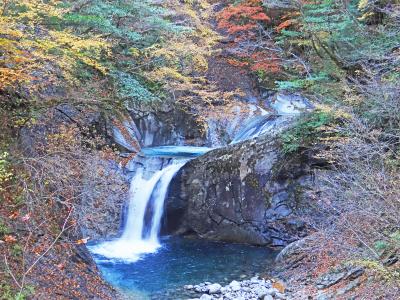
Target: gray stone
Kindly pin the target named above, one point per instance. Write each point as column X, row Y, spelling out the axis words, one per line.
column 354, row 273
column 391, row 260
column 330, row 279
column 280, row 296
column 200, row 289
column 235, row 285
column 206, row 297
column 252, row 289
column 323, row 296
column 261, row 291
column 272, row 291
column 214, row 288
column 188, row 287
column 351, row 286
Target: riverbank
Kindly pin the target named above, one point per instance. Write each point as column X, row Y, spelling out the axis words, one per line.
column 253, row 289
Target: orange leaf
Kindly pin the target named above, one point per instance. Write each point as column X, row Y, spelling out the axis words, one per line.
column 279, row 286
column 82, row 241
column 9, row 239
column 14, row 215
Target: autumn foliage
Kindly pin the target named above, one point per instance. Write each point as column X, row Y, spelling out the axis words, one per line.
column 242, row 18
column 247, row 24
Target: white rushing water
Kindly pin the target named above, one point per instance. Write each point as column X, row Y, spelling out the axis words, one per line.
column 143, row 192
column 284, row 107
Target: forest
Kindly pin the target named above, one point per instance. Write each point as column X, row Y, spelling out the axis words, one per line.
column 162, row 127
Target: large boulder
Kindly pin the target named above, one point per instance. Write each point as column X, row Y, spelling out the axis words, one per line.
column 249, row 193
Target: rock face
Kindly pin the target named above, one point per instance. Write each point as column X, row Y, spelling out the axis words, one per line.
column 167, row 126
column 249, row 193
column 104, row 189
column 102, row 202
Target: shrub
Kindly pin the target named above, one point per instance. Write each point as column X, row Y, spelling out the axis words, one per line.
column 5, row 173
column 310, row 130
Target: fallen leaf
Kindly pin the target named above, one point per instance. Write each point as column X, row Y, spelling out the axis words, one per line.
column 82, row 241
column 9, row 239
column 279, row 286
column 14, row 215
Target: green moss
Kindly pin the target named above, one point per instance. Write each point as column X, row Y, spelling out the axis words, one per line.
column 252, row 180
column 16, row 250
column 3, row 229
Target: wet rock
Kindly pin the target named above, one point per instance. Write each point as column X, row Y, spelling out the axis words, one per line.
column 261, row 292
column 280, row 296
column 206, row 297
column 188, row 287
column 254, row 279
column 168, row 125
column 272, row 291
column 214, row 288
column 200, row 288
column 235, row 286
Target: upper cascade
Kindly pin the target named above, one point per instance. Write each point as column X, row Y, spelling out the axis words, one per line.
column 284, row 108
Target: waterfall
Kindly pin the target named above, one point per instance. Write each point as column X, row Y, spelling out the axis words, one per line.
column 284, row 107
column 255, row 127
column 143, row 193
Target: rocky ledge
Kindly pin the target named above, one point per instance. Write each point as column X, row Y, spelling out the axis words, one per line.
column 247, row 193
column 254, row 289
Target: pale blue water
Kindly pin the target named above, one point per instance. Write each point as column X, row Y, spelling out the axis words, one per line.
column 180, row 261
column 175, row 151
